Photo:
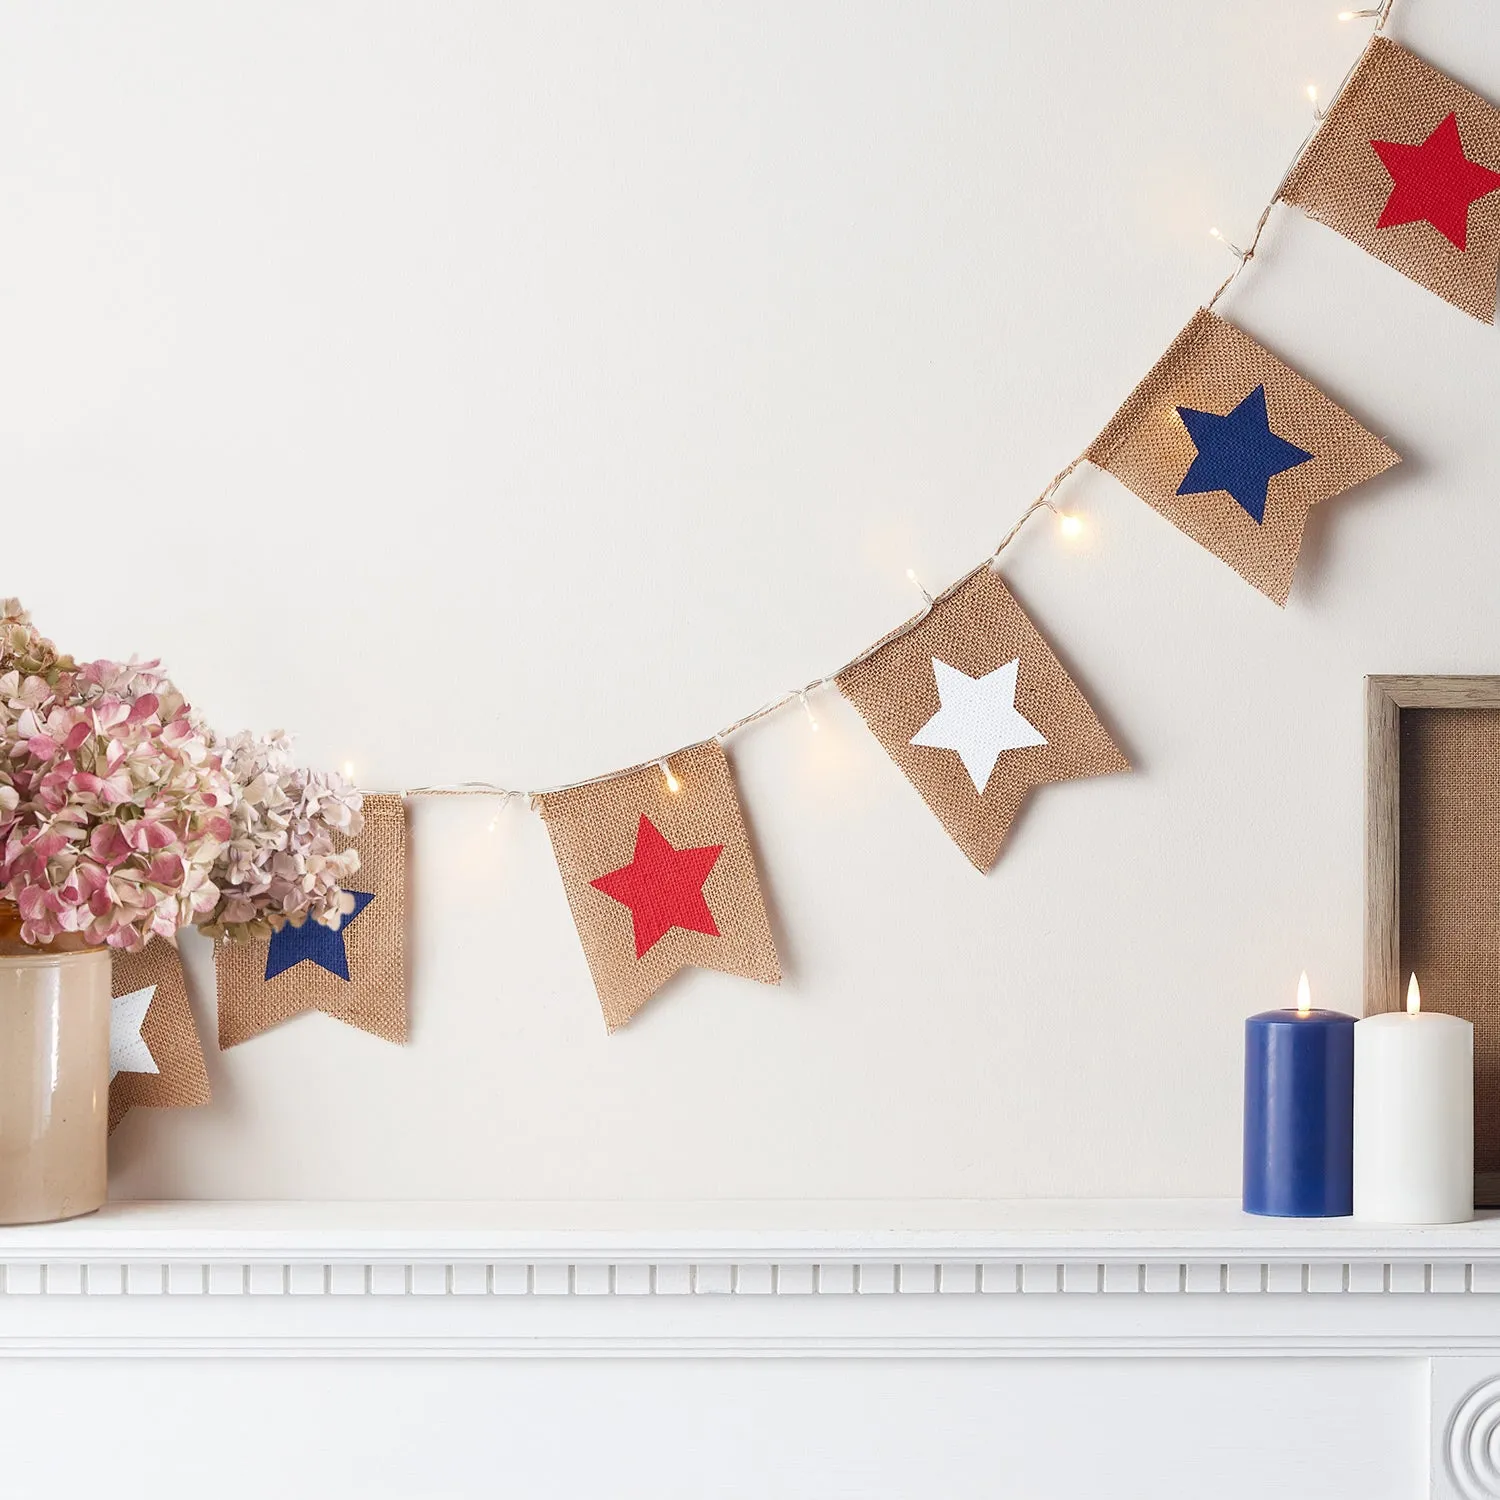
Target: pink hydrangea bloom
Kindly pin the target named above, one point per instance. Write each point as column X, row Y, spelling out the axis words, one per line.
column 113, row 807
column 280, row 864
column 124, row 817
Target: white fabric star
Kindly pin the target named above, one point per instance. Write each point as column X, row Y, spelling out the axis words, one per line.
column 128, row 1052
column 978, row 718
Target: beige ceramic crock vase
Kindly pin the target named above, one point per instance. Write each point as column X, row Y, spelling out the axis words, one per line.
column 54, row 1076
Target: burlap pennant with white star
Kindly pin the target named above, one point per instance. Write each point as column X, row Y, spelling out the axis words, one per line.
column 1407, row 164
column 155, row 1057
column 977, row 710
column 1234, row 448
column 660, row 876
column 355, row 972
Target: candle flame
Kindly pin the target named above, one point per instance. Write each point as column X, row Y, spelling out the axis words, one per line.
column 1304, row 995
column 1413, row 997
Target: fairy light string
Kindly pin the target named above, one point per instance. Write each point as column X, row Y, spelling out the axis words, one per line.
column 1068, row 525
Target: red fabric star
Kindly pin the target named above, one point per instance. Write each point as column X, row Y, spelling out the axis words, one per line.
column 663, row 887
column 1434, row 182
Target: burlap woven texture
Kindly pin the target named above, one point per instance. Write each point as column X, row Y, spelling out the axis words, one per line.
column 168, row 1031
column 979, row 628
column 1450, row 886
column 593, row 831
column 374, row 996
column 1211, row 366
column 1394, row 96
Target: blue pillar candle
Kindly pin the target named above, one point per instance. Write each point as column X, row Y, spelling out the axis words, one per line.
column 1299, row 1112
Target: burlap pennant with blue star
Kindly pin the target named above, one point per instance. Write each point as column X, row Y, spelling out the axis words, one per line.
column 1235, row 448
column 355, row 972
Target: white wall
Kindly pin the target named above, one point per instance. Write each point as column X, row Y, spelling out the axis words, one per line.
column 516, row 391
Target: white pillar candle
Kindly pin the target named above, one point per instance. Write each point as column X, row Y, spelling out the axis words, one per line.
column 1414, row 1117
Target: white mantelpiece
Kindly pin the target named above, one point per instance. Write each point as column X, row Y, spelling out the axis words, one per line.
column 1392, row 1330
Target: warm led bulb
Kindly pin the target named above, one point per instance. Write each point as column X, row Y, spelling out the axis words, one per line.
column 1070, row 526
column 1413, row 997
column 348, row 770
column 673, row 784
column 1312, row 92
column 1304, row 995
column 1229, row 245
column 1346, row 15
column 807, row 709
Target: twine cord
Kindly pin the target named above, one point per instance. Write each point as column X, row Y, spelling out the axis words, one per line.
column 1380, row 15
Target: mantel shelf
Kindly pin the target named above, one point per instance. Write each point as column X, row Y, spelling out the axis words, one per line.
column 970, row 1278
column 932, row 1231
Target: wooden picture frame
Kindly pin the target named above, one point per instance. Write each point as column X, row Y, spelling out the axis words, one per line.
column 1388, row 700
column 1385, row 697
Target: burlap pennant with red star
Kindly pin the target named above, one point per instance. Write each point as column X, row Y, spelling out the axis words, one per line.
column 1407, row 164
column 155, row 1057
column 977, row 710
column 1234, row 448
column 660, row 876
column 355, row 972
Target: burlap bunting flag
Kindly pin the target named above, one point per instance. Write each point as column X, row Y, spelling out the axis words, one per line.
column 1407, row 164
column 155, row 1057
column 975, row 708
column 659, row 880
column 1234, row 448
column 356, row 973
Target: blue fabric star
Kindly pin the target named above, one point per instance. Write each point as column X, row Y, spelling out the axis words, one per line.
column 1238, row 453
column 313, row 941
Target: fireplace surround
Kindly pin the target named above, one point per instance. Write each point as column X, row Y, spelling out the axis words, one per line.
column 1041, row 1348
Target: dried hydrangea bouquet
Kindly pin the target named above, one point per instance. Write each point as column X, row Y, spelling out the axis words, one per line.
column 123, row 818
